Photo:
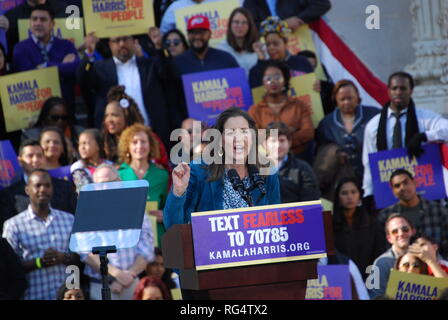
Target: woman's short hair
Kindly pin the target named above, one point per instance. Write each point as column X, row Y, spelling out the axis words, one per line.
column 250, row 37
column 64, row 158
column 341, row 84
column 126, row 139
column 283, row 68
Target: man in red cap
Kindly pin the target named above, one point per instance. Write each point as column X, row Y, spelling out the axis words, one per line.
column 200, row 57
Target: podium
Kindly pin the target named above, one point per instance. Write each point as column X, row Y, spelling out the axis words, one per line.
column 274, row 281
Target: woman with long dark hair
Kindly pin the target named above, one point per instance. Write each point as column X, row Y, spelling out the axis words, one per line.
column 205, row 187
column 121, row 112
column 242, row 36
column 54, row 113
column 357, row 234
column 175, row 42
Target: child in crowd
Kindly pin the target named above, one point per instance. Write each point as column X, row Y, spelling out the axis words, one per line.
column 91, row 151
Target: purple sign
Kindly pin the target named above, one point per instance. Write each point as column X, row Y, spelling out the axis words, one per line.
column 333, row 284
column 6, row 5
column 257, row 235
column 61, row 173
column 10, row 169
column 427, row 172
column 209, row 93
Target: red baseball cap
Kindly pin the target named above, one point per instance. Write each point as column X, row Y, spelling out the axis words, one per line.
column 198, row 22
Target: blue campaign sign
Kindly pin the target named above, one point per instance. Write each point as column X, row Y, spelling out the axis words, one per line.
column 427, row 171
column 10, row 169
column 209, row 93
column 333, row 283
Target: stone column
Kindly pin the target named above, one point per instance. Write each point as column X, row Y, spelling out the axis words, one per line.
column 430, row 69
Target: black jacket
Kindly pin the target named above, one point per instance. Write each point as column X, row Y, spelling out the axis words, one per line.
column 307, row 10
column 14, row 200
column 101, row 75
column 23, row 11
column 297, row 181
column 363, row 242
column 12, row 276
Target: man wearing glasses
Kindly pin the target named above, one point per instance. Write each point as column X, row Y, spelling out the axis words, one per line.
column 428, row 217
column 141, row 77
column 399, row 231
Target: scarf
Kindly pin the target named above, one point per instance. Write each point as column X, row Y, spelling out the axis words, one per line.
column 411, row 126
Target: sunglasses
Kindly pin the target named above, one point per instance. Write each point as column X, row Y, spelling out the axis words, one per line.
column 57, row 117
column 173, row 43
column 273, row 78
column 404, row 229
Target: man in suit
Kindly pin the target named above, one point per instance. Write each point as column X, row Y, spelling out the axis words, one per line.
column 42, row 50
column 141, row 77
column 14, row 199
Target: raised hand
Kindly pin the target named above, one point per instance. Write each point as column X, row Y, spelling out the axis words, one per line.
column 90, row 42
column 181, row 177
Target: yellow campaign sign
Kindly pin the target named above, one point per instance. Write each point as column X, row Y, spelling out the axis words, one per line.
column 302, row 87
column 74, row 32
column 411, row 286
column 301, row 40
column 152, row 206
column 217, row 12
column 23, row 94
column 114, row 18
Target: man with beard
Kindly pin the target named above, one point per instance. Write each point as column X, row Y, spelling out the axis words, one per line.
column 428, row 217
column 200, row 57
column 398, row 233
column 142, row 78
column 414, row 126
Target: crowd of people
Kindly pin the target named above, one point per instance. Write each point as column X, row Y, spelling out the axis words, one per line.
column 130, row 88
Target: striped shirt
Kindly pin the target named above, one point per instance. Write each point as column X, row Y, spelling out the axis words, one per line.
column 30, row 236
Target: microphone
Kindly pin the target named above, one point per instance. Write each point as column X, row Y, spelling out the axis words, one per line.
column 238, row 185
column 254, row 173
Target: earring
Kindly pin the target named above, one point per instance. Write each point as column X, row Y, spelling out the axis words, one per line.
column 128, row 155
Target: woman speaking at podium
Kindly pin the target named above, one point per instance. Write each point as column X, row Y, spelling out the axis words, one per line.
column 230, row 183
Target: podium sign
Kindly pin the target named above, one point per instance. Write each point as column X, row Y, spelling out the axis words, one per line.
column 258, row 235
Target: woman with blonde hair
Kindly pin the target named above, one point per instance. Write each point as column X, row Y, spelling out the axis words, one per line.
column 137, row 150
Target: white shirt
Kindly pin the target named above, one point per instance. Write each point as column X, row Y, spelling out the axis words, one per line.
column 129, row 77
column 169, row 17
column 246, row 60
column 431, row 123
